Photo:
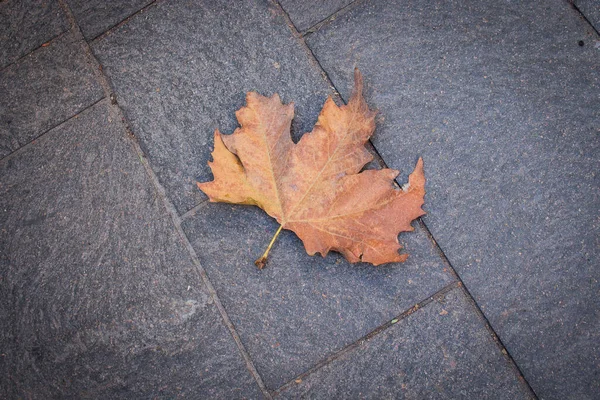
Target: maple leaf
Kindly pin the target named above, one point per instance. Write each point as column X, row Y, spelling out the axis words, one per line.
column 315, row 187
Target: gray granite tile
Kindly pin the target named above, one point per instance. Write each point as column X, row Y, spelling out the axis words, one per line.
column 591, row 10
column 183, row 70
column 305, row 14
column 26, row 25
column 98, row 296
column 443, row 351
column 94, row 17
column 44, row 89
column 504, row 106
column 299, row 309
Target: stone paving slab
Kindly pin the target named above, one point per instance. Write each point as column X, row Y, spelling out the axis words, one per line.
column 26, row 25
column 98, row 296
column 183, row 70
column 300, row 309
column 504, row 106
column 94, row 17
column 591, row 10
column 442, row 351
column 305, row 14
column 44, row 89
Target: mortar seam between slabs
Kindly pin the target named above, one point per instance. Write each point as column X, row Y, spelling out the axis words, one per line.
column 104, row 82
column 370, row 335
column 124, row 21
column 34, row 50
column 27, row 145
column 583, row 16
column 495, row 337
column 327, row 20
column 471, row 300
column 192, row 211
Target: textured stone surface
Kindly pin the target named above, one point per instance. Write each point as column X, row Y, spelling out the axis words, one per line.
column 300, row 308
column 183, row 70
column 591, row 10
column 443, row 351
column 26, row 25
column 98, row 296
column 97, row 16
column 305, row 14
column 504, row 106
column 44, row 89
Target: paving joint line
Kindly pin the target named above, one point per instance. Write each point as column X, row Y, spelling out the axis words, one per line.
column 358, row 343
column 124, row 21
column 41, row 46
column 311, row 58
column 582, row 16
column 44, row 133
column 170, row 208
column 496, row 339
column 192, row 211
column 327, row 20
column 420, row 221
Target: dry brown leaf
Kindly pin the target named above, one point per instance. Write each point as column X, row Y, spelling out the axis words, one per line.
column 315, row 187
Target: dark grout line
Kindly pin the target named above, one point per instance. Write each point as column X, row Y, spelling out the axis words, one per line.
column 43, row 134
column 311, row 57
column 161, row 192
column 394, row 321
column 420, row 221
column 203, row 275
column 332, row 17
column 508, row 357
column 41, row 46
column 191, row 212
column 116, row 26
column 582, row 15
column 288, row 20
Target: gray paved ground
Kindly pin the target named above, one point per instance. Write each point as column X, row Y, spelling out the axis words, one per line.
column 119, row 280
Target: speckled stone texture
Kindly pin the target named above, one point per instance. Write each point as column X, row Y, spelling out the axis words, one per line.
column 98, row 296
column 183, row 70
column 591, row 10
column 305, row 14
column 443, row 351
column 504, row 106
column 44, row 89
column 94, row 17
column 26, row 25
column 300, row 309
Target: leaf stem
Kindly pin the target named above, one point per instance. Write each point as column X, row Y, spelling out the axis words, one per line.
column 262, row 261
